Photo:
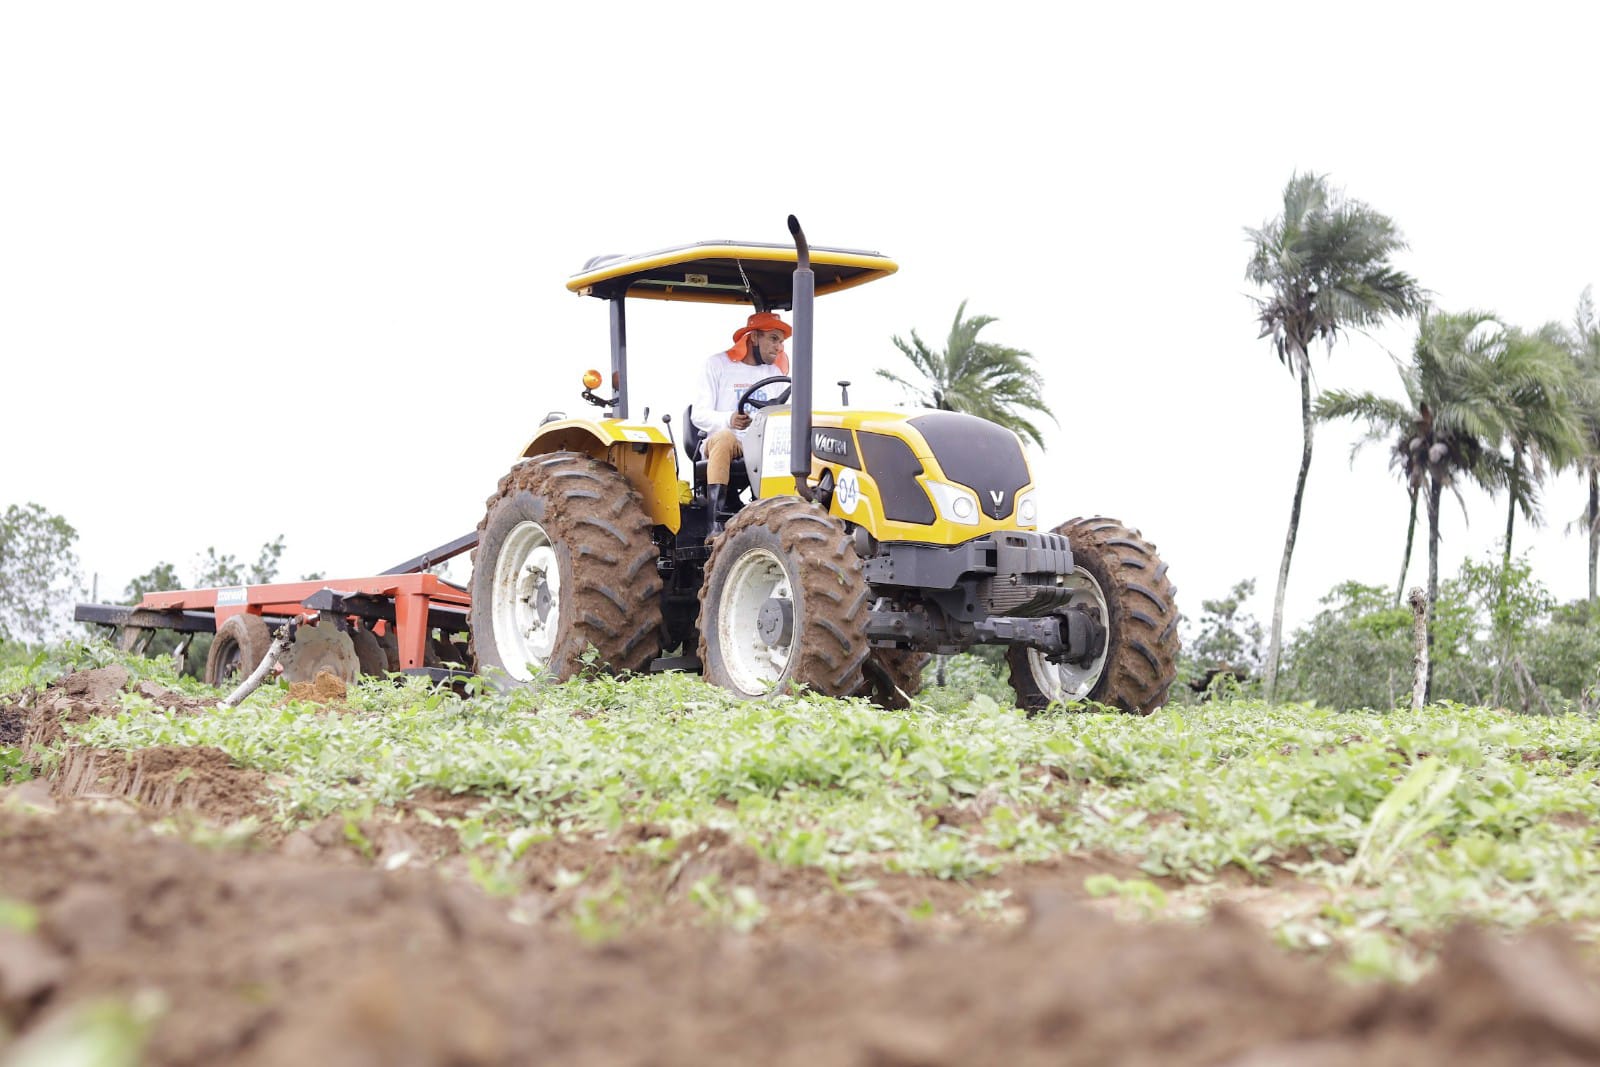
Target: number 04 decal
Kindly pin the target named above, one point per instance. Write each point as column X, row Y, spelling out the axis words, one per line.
column 848, row 493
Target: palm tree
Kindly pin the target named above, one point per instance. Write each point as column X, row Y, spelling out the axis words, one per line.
column 1583, row 344
column 988, row 380
column 1447, row 427
column 972, row 376
column 1390, row 420
column 1534, row 373
column 1324, row 263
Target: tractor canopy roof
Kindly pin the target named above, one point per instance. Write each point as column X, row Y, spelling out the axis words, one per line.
column 726, row 272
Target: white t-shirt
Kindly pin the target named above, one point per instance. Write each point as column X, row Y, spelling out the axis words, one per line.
column 720, row 387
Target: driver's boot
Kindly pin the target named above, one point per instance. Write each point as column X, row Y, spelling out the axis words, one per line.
column 714, row 510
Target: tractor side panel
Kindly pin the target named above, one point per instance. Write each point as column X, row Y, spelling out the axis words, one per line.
column 651, row 471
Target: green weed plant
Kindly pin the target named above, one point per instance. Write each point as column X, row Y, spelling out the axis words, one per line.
column 1408, row 822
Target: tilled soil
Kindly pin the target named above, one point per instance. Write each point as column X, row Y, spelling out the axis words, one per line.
column 307, row 949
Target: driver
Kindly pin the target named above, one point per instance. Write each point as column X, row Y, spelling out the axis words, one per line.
column 757, row 353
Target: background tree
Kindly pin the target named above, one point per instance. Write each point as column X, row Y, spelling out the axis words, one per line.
column 1356, row 651
column 1447, row 428
column 1399, row 424
column 38, row 573
column 1583, row 345
column 988, row 380
column 1532, row 376
column 1225, row 640
column 1512, row 604
column 1539, row 421
column 1324, row 263
column 219, row 570
column 157, row 579
column 1564, row 656
column 209, row 570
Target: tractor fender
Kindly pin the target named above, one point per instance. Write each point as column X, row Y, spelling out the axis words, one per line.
column 642, row 453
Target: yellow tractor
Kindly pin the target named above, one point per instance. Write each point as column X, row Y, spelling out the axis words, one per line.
column 857, row 542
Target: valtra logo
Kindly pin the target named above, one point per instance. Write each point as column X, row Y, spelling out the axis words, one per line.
column 834, row 445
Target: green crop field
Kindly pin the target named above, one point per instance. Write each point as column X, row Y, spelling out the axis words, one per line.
column 1357, row 833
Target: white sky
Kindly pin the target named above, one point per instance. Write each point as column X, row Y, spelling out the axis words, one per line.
column 299, row 268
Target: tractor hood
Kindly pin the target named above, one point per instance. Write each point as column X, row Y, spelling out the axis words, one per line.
column 906, row 458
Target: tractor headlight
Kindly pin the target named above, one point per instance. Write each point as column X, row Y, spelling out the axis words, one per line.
column 1027, row 509
column 956, row 503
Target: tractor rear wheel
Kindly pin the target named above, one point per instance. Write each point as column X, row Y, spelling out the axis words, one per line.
column 565, row 562
column 784, row 603
column 237, row 650
column 1123, row 584
column 892, row 676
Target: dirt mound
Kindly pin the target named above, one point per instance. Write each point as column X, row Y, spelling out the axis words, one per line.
column 268, row 959
column 75, row 698
column 33, row 718
column 13, row 724
column 200, row 780
column 325, row 688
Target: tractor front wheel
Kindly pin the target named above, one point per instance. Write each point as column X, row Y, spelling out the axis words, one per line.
column 1120, row 581
column 784, row 603
column 564, row 563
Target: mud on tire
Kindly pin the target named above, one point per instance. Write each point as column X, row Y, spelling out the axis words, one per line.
column 785, row 551
column 564, row 562
column 1140, row 616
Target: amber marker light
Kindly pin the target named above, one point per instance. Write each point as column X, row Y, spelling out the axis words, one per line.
column 591, row 379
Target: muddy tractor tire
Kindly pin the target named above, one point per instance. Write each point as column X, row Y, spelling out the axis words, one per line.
column 1121, row 581
column 565, row 563
column 891, row 677
column 784, row 604
column 237, row 650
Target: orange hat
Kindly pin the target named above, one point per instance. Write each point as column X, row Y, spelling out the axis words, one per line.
column 761, row 320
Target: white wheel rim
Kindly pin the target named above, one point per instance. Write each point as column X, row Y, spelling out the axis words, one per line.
column 753, row 665
column 526, row 609
column 1067, row 681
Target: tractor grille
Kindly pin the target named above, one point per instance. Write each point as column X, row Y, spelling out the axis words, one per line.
column 983, row 457
column 1029, row 595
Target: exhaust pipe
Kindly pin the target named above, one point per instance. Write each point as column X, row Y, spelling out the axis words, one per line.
column 805, row 288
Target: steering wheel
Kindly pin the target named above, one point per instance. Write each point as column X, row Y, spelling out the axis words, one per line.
column 748, row 400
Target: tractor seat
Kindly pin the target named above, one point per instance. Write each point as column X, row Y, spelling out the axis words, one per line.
column 693, row 436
